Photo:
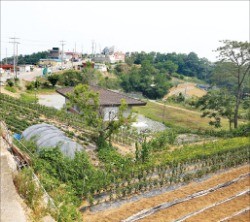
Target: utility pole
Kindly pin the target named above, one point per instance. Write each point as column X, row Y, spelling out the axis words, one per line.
column 17, row 53
column 63, row 43
column 14, row 53
column 6, row 60
column 93, row 48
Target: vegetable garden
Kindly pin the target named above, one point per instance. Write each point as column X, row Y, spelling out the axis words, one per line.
column 116, row 176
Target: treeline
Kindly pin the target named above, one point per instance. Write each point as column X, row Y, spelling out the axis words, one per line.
column 32, row 59
column 151, row 82
column 185, row 64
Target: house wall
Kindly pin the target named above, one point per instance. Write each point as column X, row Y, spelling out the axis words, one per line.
column 25, row 68
column 100, row 67
column 109, row 112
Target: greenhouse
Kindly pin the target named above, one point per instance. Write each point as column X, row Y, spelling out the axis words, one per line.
column 46, row 136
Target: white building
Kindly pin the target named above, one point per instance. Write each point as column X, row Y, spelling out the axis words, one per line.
column 24, row 68
column 100, row 67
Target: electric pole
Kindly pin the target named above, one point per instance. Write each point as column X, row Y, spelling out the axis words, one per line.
column 6, row 60
column 14, row 53
column 63, row 43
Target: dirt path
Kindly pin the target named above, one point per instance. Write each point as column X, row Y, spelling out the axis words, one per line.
column 129, row 209
column 175, row 107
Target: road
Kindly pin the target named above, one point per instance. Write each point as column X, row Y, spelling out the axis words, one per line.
column 31, row 76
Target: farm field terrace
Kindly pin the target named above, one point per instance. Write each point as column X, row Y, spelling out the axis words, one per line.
column 116, row 176
column 180, row 210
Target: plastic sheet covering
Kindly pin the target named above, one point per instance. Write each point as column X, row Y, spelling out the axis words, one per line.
column 49, row 136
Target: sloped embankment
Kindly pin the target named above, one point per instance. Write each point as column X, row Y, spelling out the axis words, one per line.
column 11, row 208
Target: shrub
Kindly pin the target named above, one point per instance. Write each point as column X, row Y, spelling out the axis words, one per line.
column 163, row 139
column 30, row 85
column 53, row 79
column 10, row 82
column 27, row 188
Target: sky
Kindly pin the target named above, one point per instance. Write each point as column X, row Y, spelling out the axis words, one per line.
column 161, row 26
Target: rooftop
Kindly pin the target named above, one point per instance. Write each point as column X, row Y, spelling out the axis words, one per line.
column 107, row 97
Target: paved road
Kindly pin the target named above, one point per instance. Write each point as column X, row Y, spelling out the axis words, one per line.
column 31, row 76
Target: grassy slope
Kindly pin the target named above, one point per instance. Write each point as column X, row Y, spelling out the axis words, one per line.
column 174, row 116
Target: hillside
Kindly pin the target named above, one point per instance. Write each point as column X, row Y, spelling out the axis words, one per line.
column 187, row 89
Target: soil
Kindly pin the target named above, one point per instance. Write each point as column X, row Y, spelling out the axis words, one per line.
column 185, row 208
column 127, row 210
column 241, row 218
column 187, row 89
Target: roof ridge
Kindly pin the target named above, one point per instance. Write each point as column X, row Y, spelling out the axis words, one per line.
column 117, row 93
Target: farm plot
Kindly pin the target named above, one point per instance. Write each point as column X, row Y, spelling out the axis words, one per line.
column 227, row 196
column 19, row 115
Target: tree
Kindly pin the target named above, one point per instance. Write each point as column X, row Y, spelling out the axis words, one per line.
column 53, row 79
column 238, row 54
column 217, row 104
column 87, row 103
column 171, row 67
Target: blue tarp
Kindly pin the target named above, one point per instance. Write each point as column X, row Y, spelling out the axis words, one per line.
column 17, row 136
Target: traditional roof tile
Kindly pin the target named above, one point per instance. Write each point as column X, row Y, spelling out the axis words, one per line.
column 107, row 97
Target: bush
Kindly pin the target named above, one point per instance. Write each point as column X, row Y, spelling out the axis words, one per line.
column 30, row 85
column 163, row 139
column 177, row 98
column 27, row 188
column 53, row 79
column 10, row 82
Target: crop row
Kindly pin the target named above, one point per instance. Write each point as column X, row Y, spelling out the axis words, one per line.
column 171, row 174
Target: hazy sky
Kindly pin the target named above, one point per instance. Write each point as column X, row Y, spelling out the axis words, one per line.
column 164, row 26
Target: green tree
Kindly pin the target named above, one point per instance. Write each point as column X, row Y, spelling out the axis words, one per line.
column 53, row 79
column 216, row 104
column 86, row 102
column 238, row 54
column 171, row 67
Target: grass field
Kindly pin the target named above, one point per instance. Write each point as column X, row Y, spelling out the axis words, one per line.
column 176, row 116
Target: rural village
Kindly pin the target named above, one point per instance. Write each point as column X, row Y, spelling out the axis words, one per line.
column 115, row 135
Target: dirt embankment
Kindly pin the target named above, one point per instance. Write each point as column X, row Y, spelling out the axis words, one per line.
column 187, row 90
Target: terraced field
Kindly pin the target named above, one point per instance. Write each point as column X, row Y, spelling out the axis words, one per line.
column 222, row 197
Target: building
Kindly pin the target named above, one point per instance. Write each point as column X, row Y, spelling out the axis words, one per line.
column 25, row 68
column 108, row 55
column 100, row 67
column 108, row 99
column 7, row 67
column 54, row 53
column 72, row 56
